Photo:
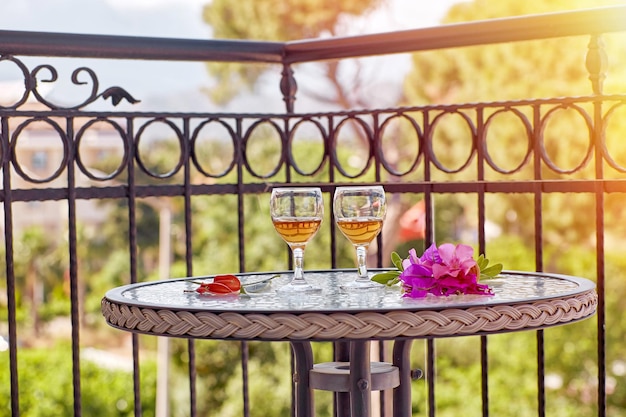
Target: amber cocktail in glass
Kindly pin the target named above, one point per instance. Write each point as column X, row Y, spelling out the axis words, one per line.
column 359, row 213
column 297, row 214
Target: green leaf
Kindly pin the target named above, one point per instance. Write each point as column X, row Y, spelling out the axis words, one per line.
column 487, row 271
column 482, row 262
column 492, row 271
column 387, row 278
column 397, row 261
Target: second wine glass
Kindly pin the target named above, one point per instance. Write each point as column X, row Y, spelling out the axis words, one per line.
column 359, row 213
column 297, row 214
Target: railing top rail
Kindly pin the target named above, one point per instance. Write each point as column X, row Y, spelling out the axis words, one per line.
column 136, row 47
column 519, row 28
column 482, row 32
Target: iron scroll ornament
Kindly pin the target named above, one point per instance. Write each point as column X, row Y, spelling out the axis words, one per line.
column 32, row 79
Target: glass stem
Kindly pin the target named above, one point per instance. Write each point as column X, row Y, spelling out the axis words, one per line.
column 298, row 264
column 361, row 257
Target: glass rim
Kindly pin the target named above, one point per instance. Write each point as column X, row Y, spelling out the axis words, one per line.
column 296, row 189
column 359, row 187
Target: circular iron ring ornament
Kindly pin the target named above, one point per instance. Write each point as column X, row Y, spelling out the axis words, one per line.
column 368, row 137
column 332, row 323
column 14, row 141
column 420, row 143
column 431, row 150
column 194, row 152
column 542, row 146
column 95, row 175
column 181, row 143
column 605, row 151
column 324, row 137
column 246, row 139
column 528, row 128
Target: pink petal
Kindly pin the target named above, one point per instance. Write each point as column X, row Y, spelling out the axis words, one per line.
column 464, row 252
column 447, row 253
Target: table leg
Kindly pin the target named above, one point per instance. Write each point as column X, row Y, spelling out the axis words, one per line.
column 304, row 363
column 402, row 393
column 360, row 379
column 342, row 399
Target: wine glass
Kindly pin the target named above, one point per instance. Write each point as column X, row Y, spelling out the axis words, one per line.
column 297, row 215
column 359, row 213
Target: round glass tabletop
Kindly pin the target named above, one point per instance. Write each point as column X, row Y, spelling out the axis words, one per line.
column 510, row 288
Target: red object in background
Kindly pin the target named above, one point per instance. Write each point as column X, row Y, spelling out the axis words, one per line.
column 413, row 223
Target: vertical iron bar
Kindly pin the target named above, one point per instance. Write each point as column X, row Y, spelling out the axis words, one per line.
column 288, row 89
column 402, row 393
column 331, row 178
column 538, row 203
column 428, row 197
column 341, row 399
column 132, row 249
column 292, row 367
column 73, row 266
column 191, row 346
column 245, row 385
column 193, row 391
column 541, row 385
column 430, row 376
column 601, row 310
column 429, row 239
column 376, row 153
column 10, row 270
column 484, row 366
column 480, row 150
column 240, row 200
column 600, row 255
column 597, row 64
column 242, row 263
column 376, row 148
column 285, row 86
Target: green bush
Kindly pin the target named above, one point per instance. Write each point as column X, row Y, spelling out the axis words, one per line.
column 46, row 387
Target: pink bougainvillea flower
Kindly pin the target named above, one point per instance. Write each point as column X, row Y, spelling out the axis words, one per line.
column 445, row 270
column 417, row 279
column 455, row 260
column 431, row 256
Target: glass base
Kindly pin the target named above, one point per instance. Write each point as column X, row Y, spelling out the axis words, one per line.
column 298, row 288
column 361, row 284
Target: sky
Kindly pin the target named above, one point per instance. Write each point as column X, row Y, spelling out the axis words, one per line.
column 154, row 84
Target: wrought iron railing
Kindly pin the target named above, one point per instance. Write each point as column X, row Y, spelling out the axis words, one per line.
column 422, row 173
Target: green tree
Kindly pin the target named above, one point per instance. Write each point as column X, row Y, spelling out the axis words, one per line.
column 39, row 271
column 268, row 20
column 520, row 70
